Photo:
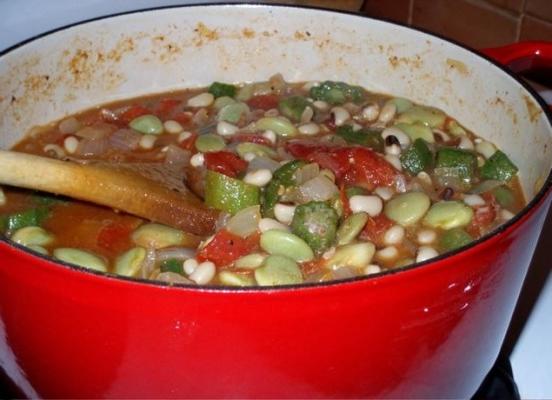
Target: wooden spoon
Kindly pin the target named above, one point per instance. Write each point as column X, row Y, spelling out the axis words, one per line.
column 144, row 190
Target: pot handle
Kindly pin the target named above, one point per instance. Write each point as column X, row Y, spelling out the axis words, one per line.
column 522, row 56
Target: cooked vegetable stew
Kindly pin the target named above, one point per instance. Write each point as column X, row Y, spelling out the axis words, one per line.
column 315, row 181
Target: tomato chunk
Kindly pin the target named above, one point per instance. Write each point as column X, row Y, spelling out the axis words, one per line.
column 133, row 112
column 264, row 101
column 166, row 106
column 115, row 236
column 225, row 248
column 352, row 165
column 483, row 216
column 225, row 163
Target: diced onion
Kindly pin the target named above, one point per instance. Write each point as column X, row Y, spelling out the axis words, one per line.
column 245, row 222
column 176, row 156
column 180, row 253
column 485, row 186
column 124, row 139
column 306, row 173
column 319, row 188
column 97, row 131
column 261, row 162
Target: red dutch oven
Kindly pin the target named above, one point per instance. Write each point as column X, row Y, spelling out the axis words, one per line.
column 428, row 330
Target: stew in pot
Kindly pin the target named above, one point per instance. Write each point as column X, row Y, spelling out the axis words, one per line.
column 315, row 181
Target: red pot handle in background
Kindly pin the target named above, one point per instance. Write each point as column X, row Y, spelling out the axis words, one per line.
column 522, row 56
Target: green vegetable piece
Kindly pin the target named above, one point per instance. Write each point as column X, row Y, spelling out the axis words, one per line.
column 351, row 227
column 355, row 191
column 417, row 158
column 130, row 262
column 209, row 142
column 279, row 125
column 219, row 89
column 229, row 194
column 293, row 107
column 172, row 265
column 499, row 167
column 21, row 219
column 316, row 223
column 283, row 243
column 448, row 215
column 258, row 149
column 337, row 92
column 147, row 124
column 407, row 208
column 417, row 130
column 402, row 104
column 232, row 112
column 504, row 196
column 283, row 177
column 457, row 162
column 81, row 258
column 364, row 137
column 453, row 239
column 278, row 270
column 432, row 117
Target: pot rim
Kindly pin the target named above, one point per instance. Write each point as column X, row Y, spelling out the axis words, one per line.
column 478, row 243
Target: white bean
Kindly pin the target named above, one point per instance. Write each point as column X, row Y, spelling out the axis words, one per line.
column 258, row 178
column 394, row 235
column 271, row 136
column 487, row 149
column 190, row 265
column 70, row 144
column 388, row 253
column 321, row 105
column 402, row 137
column 203, row 273
column 425, row 253
column 370, row 113
column 341, row 115
column 284, row 213
column 226, row 128
column 425, row 177
column 372, row 269
column 172, row 126
column 266, row 224
column 249, row 156
column 184, row 136
column 384, row 192
column 55, row 150
column 506, row 215
column 393, row 150
column 368, row 204
column 426, row 236
column 388, row 112
column 465, row 143
column 201, row 100
column 147, row 141
column 394, row 161
column 474, row 200
column 309, row 129
column 197, row 160
column 307, row 115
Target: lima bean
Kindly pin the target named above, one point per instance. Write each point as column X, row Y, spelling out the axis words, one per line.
column 129, row 263
column 81, row 258
column 277, row 242
column 209, row 142
column 147, row 124
column 351, row 227
column 32, row 236
column 279, row 125
column 278, row 270
column 233, row 279
column 356, row 255
column 417, row 131
column 157, row 236
column 407, row 208
column 448, row 215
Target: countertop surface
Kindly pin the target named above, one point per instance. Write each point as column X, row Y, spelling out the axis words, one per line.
column 530, row 337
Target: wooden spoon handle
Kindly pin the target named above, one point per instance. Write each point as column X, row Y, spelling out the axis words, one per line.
column 109, row 186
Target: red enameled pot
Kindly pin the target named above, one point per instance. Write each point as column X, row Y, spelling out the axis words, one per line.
column 429, row 330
